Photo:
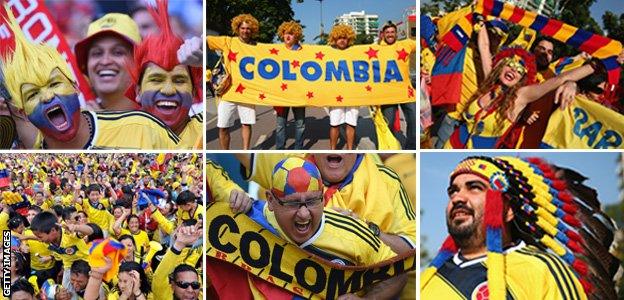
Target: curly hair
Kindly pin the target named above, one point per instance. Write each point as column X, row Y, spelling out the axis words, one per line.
column 341, row 31
column 504, row 102
column 291, row 27
column 247, row 18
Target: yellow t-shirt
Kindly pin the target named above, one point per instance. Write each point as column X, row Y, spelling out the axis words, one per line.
column 126, row 130
column 37, row 250
column 481, row 129
column 98, row 215
column 72, row 248
column 218, row 182
column 192, row 132
column 182, row 216
column 529, row 274
column 375, row 194
column 141, row 240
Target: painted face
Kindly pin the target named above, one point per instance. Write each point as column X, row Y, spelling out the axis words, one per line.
column 298, row 214
column 167, row 95
column 334, row 167
column 464, row 212
column 107, row 58
column 186, row 279
column 511, row 74
column 389, row 35
column 53, row 108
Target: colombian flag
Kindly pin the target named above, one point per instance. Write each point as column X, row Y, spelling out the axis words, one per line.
column 5, row 179
column 110, row 248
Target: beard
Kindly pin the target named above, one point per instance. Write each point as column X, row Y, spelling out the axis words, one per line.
column 541, row 62
column 465, row 232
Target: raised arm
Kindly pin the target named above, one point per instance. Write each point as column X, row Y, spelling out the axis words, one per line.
column 483, row 41
column 530, row 93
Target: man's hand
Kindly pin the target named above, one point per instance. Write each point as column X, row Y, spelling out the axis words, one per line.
column 239, row 201
column 565, row 94
column 187, row 235
column 191, row 53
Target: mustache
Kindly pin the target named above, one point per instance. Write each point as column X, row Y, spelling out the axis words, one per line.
column 461, row 205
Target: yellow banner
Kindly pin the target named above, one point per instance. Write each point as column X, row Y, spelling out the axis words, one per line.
column 271, row 74
column 237, row 239
column 585, row 125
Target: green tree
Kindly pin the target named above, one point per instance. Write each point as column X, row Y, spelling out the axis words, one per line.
column 613, row 25
column 270, row 14
column 576, row 13
column 363, row 39
column 440, row 7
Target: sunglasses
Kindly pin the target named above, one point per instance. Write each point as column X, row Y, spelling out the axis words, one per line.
column 516, row 66
column 185, row 285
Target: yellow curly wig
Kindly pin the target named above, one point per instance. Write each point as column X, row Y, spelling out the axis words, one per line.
column 290, row 27
column 340, row 31
column 247, row 18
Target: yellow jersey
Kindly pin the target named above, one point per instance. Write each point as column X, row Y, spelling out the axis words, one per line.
column 529, row 274
column 72, row 248
column 218, row 182
column 480, row 128
column 193, row 133
column 98, row 214
column 373, row 192
column 125, row 130
column 37, row 250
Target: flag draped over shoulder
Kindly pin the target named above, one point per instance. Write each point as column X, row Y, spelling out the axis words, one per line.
column 585, row 125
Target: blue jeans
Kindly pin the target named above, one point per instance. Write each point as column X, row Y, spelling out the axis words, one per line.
column 280, row 131
column 409, row 112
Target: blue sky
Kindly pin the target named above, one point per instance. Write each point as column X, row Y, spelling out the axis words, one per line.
column 309, row 12
column 435, row 168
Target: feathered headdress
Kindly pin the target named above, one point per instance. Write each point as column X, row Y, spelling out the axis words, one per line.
column 161, row 48
column 524, row 57
column 553, row 211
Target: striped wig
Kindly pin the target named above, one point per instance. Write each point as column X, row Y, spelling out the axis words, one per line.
column 553, row 210
column 161, row 48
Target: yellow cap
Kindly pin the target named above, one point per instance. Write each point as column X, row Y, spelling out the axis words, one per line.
column 120, row 25
column 175, row 185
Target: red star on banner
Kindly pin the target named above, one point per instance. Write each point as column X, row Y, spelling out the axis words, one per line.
column 284, row 86
column 339, row 98
column 262, row 96
column 320, row 55
column 274, row 51
column 295, row 63
column 402, row 55
column 371, row 53
column 410, row 92
column 240, row 88
column 369, row 88
column 232, row 56
column 310, row 95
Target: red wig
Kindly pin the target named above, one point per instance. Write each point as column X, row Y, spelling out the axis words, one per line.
column 161, row 49
column 528, row 60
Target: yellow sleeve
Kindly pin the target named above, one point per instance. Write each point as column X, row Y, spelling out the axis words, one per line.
column 404, row 218
column 219, row 182
column 165, row 225
column 219, row 42
column 4, row 221
column 410, row 45
column 169, row 262
column 372, row 257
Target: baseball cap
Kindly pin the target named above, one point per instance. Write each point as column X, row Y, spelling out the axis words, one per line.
column 120, row 25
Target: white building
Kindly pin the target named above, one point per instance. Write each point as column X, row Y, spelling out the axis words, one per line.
column 543, row 7
column 360, row 22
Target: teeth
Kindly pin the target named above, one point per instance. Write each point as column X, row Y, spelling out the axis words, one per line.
column 167, row 103
column 107, row 73
column 303, row 223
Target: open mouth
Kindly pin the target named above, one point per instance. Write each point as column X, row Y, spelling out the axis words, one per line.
column 167, row 106
column 509, row 76
column 461, row 213
column 57, row 117
column 303, row 227
column 334, row 161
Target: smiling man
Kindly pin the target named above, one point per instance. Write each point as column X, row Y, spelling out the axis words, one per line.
column 514, row 233
column 41, row 87
column 167, row 88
